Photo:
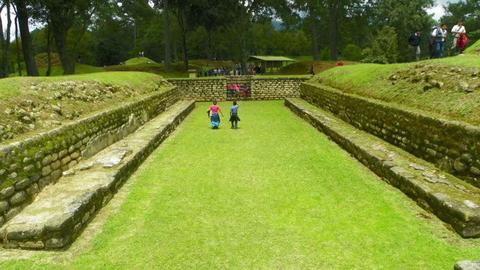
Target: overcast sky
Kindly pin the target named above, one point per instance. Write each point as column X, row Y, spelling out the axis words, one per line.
column 438, row 11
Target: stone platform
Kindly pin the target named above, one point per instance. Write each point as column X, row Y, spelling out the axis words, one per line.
column 61, row 211
column 449, row 198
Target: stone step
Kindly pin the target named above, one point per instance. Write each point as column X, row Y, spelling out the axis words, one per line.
column 449, row 198
column 61, row 211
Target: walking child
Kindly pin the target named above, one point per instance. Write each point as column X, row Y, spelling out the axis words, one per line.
column 213, row 112
column 234, row 115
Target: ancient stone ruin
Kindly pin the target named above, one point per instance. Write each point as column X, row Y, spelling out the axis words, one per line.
column 53, row 183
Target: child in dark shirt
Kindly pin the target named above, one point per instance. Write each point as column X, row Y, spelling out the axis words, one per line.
column 234, row 115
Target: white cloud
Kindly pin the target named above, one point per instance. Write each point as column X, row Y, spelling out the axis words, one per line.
column 437, row 11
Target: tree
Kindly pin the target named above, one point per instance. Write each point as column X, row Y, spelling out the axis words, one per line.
column 4, row 70
column 384, row 47
column 469, row 11
column 27, row 48
column 314, row 12
column 405, row 17
column 66, row 16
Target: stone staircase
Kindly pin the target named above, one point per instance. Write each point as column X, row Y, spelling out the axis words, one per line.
column 61, row 211
column 451, row 199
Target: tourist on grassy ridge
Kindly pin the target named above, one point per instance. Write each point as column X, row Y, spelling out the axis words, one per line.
column 457, row 30
column 431, row 44
column 214, row 115
column 439, row 36
column 462, row 42
column 414, row 42
column 234, row 115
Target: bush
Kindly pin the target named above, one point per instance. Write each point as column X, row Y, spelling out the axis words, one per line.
column 352, row 52
column 384, row 47
column 325, row 54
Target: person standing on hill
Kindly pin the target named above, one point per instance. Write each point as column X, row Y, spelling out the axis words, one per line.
column 457, row 31
column 462, row 42
column 414, row 41
column 439, row 36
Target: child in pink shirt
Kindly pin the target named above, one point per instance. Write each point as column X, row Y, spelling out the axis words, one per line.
column 213, row 112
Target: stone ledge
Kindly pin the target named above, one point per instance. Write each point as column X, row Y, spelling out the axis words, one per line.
column 449, row 198
column 28, row 166
column 61, row 211
column 467, row 265
column 453, row 146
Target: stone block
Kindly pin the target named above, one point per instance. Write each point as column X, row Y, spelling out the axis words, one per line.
column 18, row 198
column 23, row 184
column 467, row 265
column 6, row 192
column 4, row 206
column 12, row 212
column 33, row 189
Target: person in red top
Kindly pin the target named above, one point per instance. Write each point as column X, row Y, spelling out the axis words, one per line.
column 462, row 42
column 214, row 112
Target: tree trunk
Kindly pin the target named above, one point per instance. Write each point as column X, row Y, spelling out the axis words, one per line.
column 183, row 28
column 315, row 50
column 175, row 51
column 185, row 50
column 3, row 72
column 17, row 45
column 333, row 28
column 167, row 36
column 209, row 45
column 49, row 50
column 68, row 61
column 27, row 47
column 6, row 46
column 244, row 51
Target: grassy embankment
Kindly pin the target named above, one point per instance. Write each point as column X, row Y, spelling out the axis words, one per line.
column 412, row 89
column 29, row 105
column 256, row 199
column 16, row 86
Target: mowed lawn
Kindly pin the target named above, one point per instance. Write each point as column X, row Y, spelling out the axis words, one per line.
column 274, row 194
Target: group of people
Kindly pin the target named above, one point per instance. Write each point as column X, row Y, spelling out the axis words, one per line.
column 214, row 113
column 236, row 70
column 438, row 38
column 237, row 90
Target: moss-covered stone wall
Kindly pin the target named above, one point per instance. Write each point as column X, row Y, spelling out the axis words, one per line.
column 27, row 166
column 260, row 88
column 452, row 146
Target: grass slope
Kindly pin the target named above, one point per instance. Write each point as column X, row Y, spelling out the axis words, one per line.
column 305, row 67
column 371, row 80
column 474, row 48
column 15, row 86
column 139, row 61
column 275, row 194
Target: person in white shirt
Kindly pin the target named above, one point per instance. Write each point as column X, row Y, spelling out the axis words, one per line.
column 457, row 29
column 439, row 36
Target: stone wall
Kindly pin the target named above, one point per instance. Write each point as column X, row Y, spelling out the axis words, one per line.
column 452, row 146
column 202, row 89
column 261, row 88
column 276, row 88
column 27, row 166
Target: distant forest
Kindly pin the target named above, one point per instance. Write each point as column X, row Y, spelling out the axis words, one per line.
column 107, row 32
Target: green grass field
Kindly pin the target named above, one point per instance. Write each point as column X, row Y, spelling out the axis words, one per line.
column 274, row 194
